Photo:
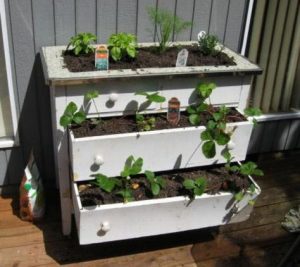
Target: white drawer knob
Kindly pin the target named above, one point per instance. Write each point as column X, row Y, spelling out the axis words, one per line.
column 98, row 160
column 113, row 97
column 230, row 145
column 105, row 227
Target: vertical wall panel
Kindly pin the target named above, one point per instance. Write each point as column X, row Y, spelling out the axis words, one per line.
column 185, row 10
column 145, row 28
column 294, row 135
column 86, row 16
column 234, row 27
column 281, row 134
column 3, row 166
column 202, row 14
column 267, row 138
column 127, row 16
column 256, row 139
column 106, row 19
column 64, row 20
column 218, row 18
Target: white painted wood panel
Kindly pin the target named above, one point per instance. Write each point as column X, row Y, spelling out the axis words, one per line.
column 228, row 92
column 157, row 216
column 161, row 150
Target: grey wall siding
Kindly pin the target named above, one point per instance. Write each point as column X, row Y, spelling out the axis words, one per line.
column 36, row 23
column 275, row 136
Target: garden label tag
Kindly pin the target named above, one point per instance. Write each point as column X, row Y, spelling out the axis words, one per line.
column 182, row 58
column 101, row 57
column 173, row 115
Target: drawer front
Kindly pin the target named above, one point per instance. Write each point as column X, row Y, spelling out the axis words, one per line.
column 118, row 97
column 147, row 218
column 161, row 150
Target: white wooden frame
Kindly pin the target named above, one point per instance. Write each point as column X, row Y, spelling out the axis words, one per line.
column 8, row 142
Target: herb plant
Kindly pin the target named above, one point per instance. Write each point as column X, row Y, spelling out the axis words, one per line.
column 122, row 45
column 81, row 43
column 132, row 167
column 166, row 24
column 156, row 182
column 72, row 115
column 195, row 187
column 207, row 44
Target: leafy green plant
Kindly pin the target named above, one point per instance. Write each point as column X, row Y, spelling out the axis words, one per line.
column 195, row 187
column 203, row 91
column 81, row 43
column 147, row 123
column 90, row 96
column 156, row 182
column 132, row 167
column 251, row 112
column 248, row 168
column 215, row 133
column 122, row 45
column 241, row 194
column 108, row 184
column 72, row 115
column 207, row 44
column 166, row 24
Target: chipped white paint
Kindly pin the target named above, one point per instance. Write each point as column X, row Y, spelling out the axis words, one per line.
column 55, row 71
column 120, row 221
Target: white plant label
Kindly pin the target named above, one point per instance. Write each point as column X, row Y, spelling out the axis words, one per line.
column 201, row 34
column 182, row 58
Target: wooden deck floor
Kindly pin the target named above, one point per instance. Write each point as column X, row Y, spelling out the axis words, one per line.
column 260, row 241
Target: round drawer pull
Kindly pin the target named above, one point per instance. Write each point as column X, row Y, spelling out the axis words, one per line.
column 230, row 145
column 98, row 160
column 105, row 227
column 113, row 97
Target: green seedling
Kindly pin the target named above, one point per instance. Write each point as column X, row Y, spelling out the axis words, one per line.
column 251, row 112
column 152, row 98
column 122, row 45
column 156, row 182
column 195, row 187
column 207, row 45
column 107, row 184
column 72, row 116
column 167, row 26
column 132, row 167
column 90, row 96
column 81, row 43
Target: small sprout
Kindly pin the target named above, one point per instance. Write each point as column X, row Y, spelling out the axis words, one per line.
column 195, row 187
column 81, row 43
column 207, row 44
column 251, row 112
column 122, row 45
column 72, row 116
column 156, row 182
column 144, row 124
column 108, row 184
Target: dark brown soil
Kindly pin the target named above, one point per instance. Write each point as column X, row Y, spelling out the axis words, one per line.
column 218, row 179
column 127, row 124
column 148, row 58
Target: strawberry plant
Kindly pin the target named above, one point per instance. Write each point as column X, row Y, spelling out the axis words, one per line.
column 90, row 97
column 156, row 182
column 122, row 45
column 195, row 187
column 107, row 184
column 72, row 115
column 81, row 43
column 251, row 112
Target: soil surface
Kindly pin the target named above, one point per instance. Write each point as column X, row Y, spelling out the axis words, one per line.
column 217, row 178
column 127, row 124
column 148, row 58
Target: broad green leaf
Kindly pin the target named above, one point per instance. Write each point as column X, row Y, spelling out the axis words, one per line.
column 209, row 149
column 116, row 53
column 155, row 189
column 194, row 119
column 206, row 135
column 239, row 196
column 211, row 125
column 162, row 182
column 77, row 50
column 189, row 184
column 105, row 183
column 221, row 125
column 198, row 191
column 191, row 110
column 131, row 51
column 217, row 116
column 205, row 89
column 202, row 107
column 126, row 194
column 79, row 117
column 248, row 168
column 70, row 109
column 65, row 120
column 136, row 166
column 156, row 98
column 200, row 182
column 258, row 172
column 150, row 175
column 222, row 138
column 226, row 154
column 252, row 112
column 91, row 95
column 234, row 168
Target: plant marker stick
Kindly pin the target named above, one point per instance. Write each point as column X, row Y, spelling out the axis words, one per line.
column 173, row 115
column 101, row 57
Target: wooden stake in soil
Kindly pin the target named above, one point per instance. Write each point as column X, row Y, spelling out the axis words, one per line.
column 173, row 116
